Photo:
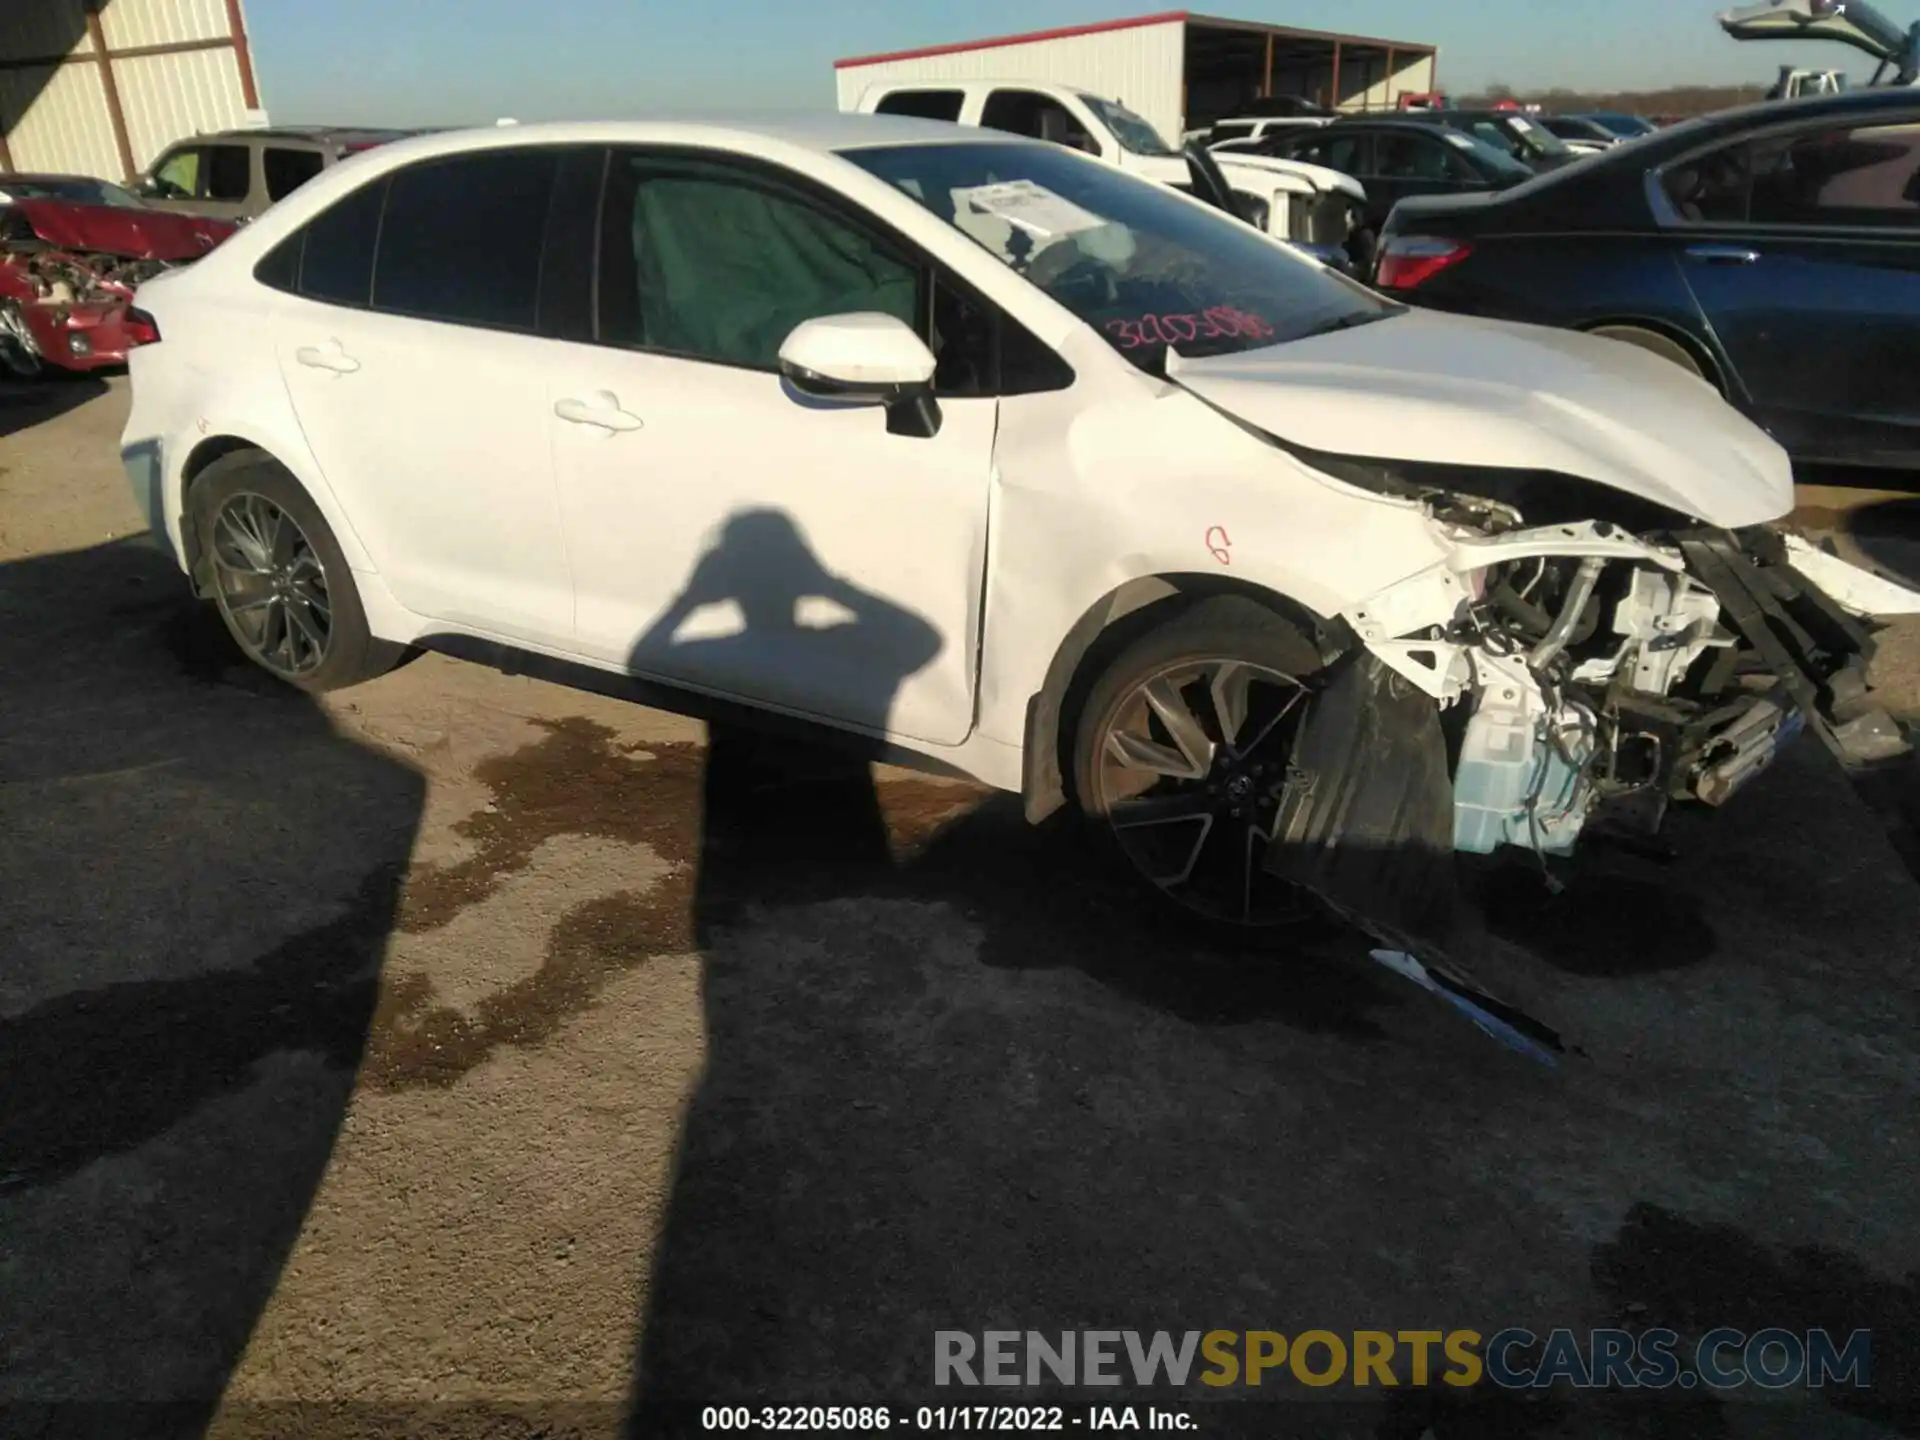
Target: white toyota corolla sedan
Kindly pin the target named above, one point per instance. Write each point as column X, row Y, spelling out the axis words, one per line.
column 1001, row 458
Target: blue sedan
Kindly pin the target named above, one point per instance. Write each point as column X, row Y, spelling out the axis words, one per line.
column 1772, row 250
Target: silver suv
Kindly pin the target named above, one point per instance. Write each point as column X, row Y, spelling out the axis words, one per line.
column 236, row 174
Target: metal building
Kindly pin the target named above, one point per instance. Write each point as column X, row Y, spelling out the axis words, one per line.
column 1178, row 70
column 100, row 87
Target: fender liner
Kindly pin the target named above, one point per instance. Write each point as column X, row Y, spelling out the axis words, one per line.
column 1366, row 820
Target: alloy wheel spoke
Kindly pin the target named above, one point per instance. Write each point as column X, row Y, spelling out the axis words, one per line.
column 1137, row 752
column 1203, row 824
column 310, row 633
column 1231, row 691
column 1183, row 726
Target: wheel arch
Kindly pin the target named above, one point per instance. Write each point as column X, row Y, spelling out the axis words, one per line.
column 1108, row 626
column 219, row 446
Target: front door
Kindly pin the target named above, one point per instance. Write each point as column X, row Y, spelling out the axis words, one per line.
column 213, row 179
column 728, row 533
column 1803, row 252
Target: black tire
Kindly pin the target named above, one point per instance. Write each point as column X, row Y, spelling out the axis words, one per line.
column 1654, row 343
column 1222, row 629
column 351, row 654
column 17, row 358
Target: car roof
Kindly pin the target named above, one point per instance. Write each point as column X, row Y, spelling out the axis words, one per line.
column 824, row 132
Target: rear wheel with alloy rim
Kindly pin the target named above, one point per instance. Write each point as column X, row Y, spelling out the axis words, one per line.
column 276, row 573
column 1182, row 757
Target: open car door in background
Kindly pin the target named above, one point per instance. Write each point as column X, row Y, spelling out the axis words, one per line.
column 1848, row 22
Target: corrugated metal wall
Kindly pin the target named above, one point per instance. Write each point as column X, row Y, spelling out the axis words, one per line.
column 1141, row 66
column 166, row 97
column 58, row 117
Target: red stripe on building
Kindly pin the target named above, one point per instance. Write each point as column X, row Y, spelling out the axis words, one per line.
column 1166, row 17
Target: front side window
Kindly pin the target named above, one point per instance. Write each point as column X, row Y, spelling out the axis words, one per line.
column 1143, row 266
column 287, row 170
column 229, row 172
column 924, row 104
column 705, row 261
column 178, row 176
column 462, row 236
column 1038, row 117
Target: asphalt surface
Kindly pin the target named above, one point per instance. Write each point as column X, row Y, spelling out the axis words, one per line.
column 466, row 1056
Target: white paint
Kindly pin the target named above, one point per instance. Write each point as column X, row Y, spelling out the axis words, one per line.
column 1429, row 386
column 859, row 349
column 464, row 505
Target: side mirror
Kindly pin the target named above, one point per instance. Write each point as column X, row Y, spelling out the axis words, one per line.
column 865, row 358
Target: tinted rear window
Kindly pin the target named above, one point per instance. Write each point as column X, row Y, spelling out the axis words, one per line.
column 337, row 265
column 927, row 104
column 461, row 238
column 288, row 170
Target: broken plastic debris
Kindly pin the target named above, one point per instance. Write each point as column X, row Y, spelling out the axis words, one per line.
column 1516, row 1031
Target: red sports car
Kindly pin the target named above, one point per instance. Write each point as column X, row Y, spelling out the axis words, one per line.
column 72, row 249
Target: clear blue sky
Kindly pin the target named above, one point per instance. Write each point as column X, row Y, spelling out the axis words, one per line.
column 458, row 61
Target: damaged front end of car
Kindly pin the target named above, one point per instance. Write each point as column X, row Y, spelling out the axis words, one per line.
column 63, row 307
column 1596, row 671
column 1554, row 674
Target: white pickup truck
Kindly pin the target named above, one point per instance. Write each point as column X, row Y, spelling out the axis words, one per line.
column 1309, row 205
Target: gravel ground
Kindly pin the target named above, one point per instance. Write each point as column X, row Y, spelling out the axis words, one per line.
column 465, row 1056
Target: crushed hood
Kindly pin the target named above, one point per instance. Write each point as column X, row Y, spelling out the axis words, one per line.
column 1321, row 177
column 112, row 230
column 1446, row 389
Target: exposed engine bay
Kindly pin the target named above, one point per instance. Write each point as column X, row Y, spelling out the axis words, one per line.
column 68, row 273
column 1588, row 673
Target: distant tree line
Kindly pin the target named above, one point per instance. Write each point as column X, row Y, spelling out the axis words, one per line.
column 1680, row 100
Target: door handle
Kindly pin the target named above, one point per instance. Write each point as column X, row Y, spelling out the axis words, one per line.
column 602, row 408
column 1723, row 254
column 327, row 357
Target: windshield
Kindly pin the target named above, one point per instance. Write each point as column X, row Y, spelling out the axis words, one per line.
column 1533, row 138
column 1144, row 266
column 1630, row 126
column 80, row 190
column 1133, row 133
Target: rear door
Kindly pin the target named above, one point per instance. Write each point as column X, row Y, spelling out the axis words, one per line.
column 1802, row 248
column 413, row 349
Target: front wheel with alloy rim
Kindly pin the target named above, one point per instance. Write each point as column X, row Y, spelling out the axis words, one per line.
column 1181, row 758
column 278, row 577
